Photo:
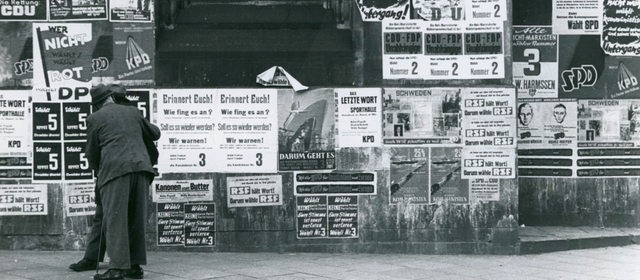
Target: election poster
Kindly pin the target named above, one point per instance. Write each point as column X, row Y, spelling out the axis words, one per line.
column 442, row 11
column 20, row 10
column 547, row 137
column 378, row 10
column 422, row 116
column 621, row 77
column 402, row 50
column 15, row 134
column 359, row 117
column 409, row 175
column 199, row 224
column 484, row 189
column 251, row 191
column 187, row 123
column 217, row 130
column 577, row 17
column 165, row 191
column 488, row 117
column 246, row 134
column 62, row 61
column 608, row 138
column 446, row 183
column 47, row 161
column 79, row 199
column 16, row 65
column 131, row 11
column 306, row 123
column 141, row 99
column 133, row 53
column 327, row 217
column 580, row 67
column 486, row 10
column 170, row 224
column 335, row 183
column 484, row 50
column 23, row 200
column 488, row 163
column 69, row 10
column 620, row 28
column 535, row 61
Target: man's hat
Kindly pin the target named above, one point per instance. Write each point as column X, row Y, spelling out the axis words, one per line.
column 99, row 93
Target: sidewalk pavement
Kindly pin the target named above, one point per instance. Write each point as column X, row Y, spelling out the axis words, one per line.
column 600, row 263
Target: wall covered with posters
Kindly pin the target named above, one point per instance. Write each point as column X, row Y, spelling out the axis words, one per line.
column 464, row 124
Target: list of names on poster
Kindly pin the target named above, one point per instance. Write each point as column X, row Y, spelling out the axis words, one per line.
column 15, row 135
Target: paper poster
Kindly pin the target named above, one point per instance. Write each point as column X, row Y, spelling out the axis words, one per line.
column 246, row 137
column 488, row 117
column 446, row 183
column 250, row 191
column 359, row 117
column 67, row 10
column 141, row 99
column 306, row 130
column 378, row 10
column 335, row 183
column 488, row 163
column 16, row 67
column 620, row 28
column 79, row 199
column 577, row 16
column 62, row 62
column 427, row 116
column 621, row 76
column 199, row 224
column 17, row 10
column 486, row 10
column 439, row 11
column 23, row 200
column 327, row 217
column 15, row 134
column 131, row 11
column 217, row 130
column 402, row 50
column 47, row 161
column 535, row 61
column 165, row 191
column 409, row 175
column 581, row 64
column 484, row 189
column 170, row 224
column 134, row 53
column 609, row 136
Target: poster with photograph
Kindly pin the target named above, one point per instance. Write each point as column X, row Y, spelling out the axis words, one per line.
column 378, row 10
column 20, row 10
column 335, row 183
column 409, row 175
column 608, row 138
column 68, row 10
column 577, row 17
column 170, row 224
column 165, row 191
column 488, row 117
column 131, row 11
column 134, row 53
column 535, row 61
column 15, row 134
column 250, row 191
column 62, row 61
column 306, row 123
column 446, row 183
column 359, row 117
column 429, row 116
column 23, row 200
column 620, row 28
column 484, row 189
column 79, row 199
column 16, row 67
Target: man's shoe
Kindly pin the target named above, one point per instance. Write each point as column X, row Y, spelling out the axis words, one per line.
column 135, row 272
column 111, row 274
column 84, row 265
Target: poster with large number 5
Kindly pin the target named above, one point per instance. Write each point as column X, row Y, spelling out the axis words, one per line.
column 535, row 62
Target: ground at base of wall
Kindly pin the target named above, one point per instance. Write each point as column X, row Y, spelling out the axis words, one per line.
column 540, row 239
